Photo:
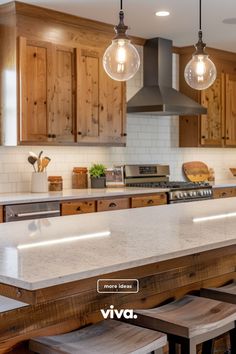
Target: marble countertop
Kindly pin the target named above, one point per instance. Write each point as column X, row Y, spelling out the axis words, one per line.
column 70, row 194
column 41, row 253
column 225, row 183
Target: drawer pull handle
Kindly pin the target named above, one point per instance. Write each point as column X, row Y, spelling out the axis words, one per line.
column 78, row 209
column 224, row 194
column 150, row 201
column 112, row 205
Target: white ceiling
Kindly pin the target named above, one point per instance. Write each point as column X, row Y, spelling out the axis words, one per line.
column 181, row 26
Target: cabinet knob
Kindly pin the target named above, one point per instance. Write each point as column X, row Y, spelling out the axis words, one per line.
column 79, row 133
column 54, row 136
column 49, row 135
column 223, row 137
column 203, row 137
column 124, row 134
column 227, row 138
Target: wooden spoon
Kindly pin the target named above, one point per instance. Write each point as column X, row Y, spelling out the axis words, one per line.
column 45, row 162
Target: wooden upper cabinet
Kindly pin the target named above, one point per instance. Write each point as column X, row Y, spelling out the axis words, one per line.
column 212, row 123
column 87, row 94
column 62, row 113
column 230, row 116
column 35, row 84
column 101, row 101
column 47, row 92
column 66, row 96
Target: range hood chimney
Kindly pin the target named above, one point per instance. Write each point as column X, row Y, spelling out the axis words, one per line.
column 157, row 95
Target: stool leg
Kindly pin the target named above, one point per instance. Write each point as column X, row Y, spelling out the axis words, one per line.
column 172, row 347
column 207, row 347
column 232, row 335
column 188, row 348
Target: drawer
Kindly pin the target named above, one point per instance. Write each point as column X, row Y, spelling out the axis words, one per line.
column 148, row 200
column 224, row 192
column 113, row 204
column 82, row 207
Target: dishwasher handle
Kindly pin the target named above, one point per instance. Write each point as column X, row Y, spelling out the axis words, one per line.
column 46, row 212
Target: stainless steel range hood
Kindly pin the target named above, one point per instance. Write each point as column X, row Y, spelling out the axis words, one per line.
column 157, row 95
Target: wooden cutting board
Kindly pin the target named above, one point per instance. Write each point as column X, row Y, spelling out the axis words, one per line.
column 196, row 171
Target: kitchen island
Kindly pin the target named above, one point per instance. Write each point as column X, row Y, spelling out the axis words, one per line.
column 53, row 265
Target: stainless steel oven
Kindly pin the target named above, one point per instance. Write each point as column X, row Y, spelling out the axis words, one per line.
column 30, row 211
column 157, row 176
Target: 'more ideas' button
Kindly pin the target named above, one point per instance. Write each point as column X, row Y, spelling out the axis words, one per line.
column 117, row 286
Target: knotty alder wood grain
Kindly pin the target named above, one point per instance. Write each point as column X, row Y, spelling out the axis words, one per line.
column 69, row 306
column 212, row 122
column 151, row 200
column 71, row 208
column 101, row 101
column 47, row 91
column 64, row 96
column 217, row 128
column 230, row 123
column 224, row 192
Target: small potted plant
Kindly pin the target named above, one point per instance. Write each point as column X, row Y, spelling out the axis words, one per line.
column 98, row 176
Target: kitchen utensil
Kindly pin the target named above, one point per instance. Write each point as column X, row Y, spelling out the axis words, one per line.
column 33, row 154
column 196, row 171
column 32, row 161
column 39, row 164
column 45, row 162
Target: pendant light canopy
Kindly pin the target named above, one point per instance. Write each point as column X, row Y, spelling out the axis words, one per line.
column 121, row 60
column 200, row 72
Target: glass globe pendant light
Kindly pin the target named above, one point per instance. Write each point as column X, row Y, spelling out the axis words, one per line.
column 121, row 60
column 200, row 72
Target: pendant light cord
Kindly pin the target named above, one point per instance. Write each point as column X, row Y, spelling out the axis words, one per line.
column 121, row 5
column 200, row 14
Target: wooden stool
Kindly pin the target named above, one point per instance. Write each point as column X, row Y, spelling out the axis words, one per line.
column 226, row 293
column 190, row 321
column 105, row 337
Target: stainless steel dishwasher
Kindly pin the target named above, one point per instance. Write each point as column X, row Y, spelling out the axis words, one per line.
column 30, row 211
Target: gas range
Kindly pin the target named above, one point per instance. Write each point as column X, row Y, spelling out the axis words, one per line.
column 157, row 176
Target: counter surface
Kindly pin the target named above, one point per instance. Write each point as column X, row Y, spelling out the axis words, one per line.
column 70, row 194
column 41, row 253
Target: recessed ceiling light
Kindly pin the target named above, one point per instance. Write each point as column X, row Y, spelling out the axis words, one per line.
column 162, row 13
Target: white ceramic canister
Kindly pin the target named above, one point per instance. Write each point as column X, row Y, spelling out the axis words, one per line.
column 39, row 182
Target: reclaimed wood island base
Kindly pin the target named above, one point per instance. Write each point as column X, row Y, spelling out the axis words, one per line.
column 67, row 307
column 163, row 247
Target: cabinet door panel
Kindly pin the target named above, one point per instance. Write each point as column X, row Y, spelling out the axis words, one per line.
column 112, row 124
column 34, row 83
column 88, row 95
column 230, row 117
column 212, row 122
column 62, row 114
column 101, row 101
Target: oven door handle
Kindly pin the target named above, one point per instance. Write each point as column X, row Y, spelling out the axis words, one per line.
column 21, row 215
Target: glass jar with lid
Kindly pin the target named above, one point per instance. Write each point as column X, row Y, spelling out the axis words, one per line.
column 55, row 183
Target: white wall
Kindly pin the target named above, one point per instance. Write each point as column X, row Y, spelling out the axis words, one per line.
column 150, row 139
